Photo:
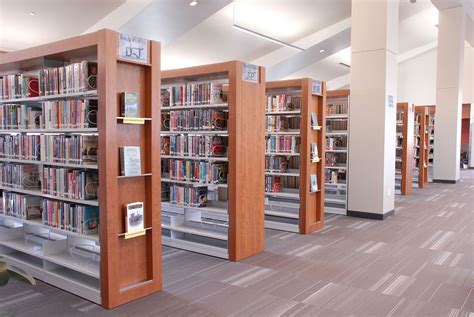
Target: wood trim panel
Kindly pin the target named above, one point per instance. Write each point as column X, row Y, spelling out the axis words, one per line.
column 198, row 70
column 284, row 84
column 338, row 93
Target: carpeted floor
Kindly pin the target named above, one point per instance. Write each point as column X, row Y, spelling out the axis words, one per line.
column 418, row 262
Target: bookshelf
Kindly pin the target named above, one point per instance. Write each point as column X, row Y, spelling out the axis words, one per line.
column 295, row 118
column 431, row 133
column 93, row 261
column 213, row 167
column 420, row 150
column 426, row 115
column 404, row 148
column 337, row 151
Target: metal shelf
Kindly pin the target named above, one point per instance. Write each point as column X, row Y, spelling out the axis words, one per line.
column 41, row 194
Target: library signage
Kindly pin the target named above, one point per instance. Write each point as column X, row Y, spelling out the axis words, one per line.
column 133, row 48
column 390, row 101
column 250, row 73
column 316, row 87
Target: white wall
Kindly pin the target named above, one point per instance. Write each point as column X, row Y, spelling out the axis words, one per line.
column 417, row 78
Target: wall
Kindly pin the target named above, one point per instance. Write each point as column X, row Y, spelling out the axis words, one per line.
column 417, row 78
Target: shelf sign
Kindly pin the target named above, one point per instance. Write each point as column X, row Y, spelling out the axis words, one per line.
column 390, row 101
column 133, row 48
column 129, row 120
column 316, row 87
column 250, row 73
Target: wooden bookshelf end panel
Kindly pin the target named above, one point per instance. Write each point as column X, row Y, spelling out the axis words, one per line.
column 312, row 203
column 246, row 165
column 137, row 261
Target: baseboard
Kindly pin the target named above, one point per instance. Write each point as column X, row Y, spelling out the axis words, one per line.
column 444, row 181
column 370, row 215
column 471, row 168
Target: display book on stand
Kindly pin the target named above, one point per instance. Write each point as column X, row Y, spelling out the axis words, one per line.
column 404, row 148
column 207, row 168
column 337, row 151
column 294, row 170
column 56, row 222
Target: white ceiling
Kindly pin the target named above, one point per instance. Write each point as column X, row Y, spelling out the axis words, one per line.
column 166, row 20
column 215, row 40
column 53, row 20
column 204, row 34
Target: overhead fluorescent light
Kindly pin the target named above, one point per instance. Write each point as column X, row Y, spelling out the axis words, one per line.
column 266, row 37
column 193, row 3
column 322, row 51
column 32, row 13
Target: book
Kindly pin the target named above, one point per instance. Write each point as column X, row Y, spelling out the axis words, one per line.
column 31, row 207
column 129, row 104
column 89, row 220
column 314, row 151
column 22, row 206
column 130, row 161
column 314, row 119
column 89, row 147
column 314, row 183
column 188, row 196
column 217, row 94
column 70, row 183
column 193, row 94
column 134, row 217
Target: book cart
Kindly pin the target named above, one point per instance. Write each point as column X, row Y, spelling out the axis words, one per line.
column 105, row 267
column 404, row 148
column 337, row 151
column 213, row 159
column 295, row 144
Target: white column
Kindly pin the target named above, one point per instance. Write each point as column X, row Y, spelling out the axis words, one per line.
column 374, row 42
column 447, row 143
column 471, row 138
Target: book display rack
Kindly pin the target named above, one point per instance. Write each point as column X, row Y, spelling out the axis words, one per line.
column 294, row 170
column 212, row 159
column 337, row 151
column 62, row 219
column 404, row 148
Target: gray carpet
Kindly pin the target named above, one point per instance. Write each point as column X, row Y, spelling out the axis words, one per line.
column 418, row 262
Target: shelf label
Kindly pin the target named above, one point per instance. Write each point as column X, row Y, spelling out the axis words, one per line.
column 316, row 87
column 133, row 48
column 130, row 120
column 250, row 73
column 390, row 101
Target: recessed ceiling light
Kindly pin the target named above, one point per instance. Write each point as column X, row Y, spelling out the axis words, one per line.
column 321, row 51
column 193, row 3
column 32, row 13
